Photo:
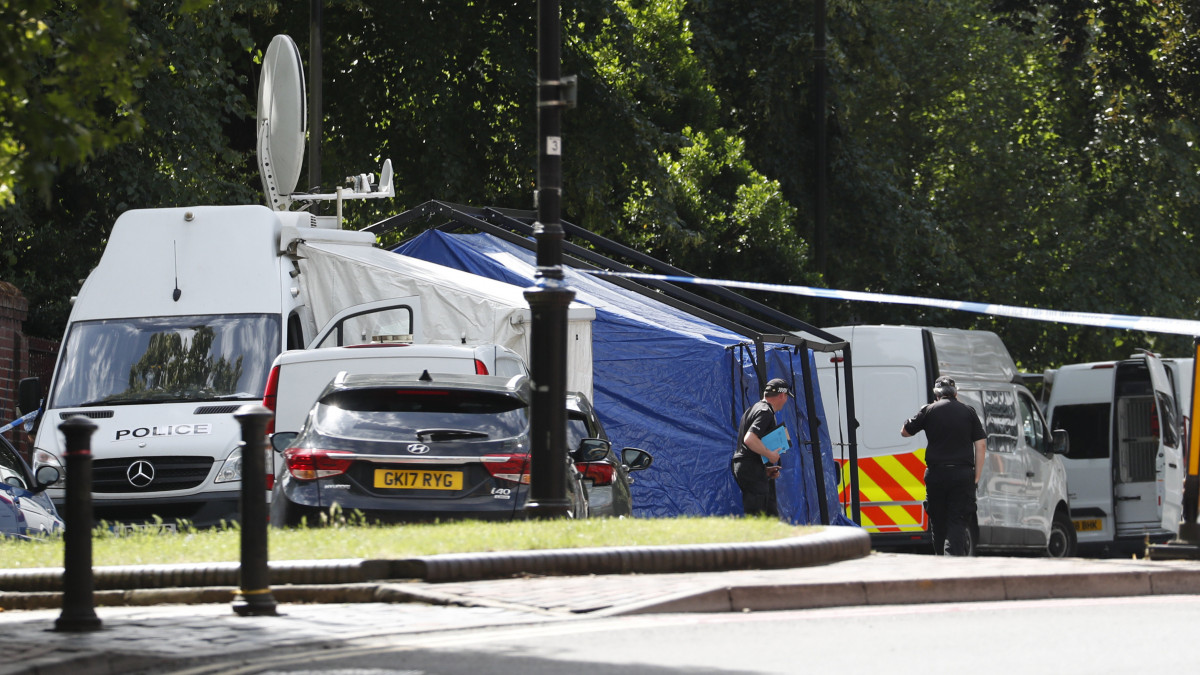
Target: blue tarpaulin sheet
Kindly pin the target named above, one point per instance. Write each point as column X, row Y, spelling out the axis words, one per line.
column 672, row 384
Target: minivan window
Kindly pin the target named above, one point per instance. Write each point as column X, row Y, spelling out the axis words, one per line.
column 1087, row 425
column 1166, row 413
column 165, row 359
column 394, row 414
column 1032, row 426
column 996, row 410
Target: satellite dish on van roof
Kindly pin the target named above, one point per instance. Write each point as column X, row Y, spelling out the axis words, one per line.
column 282, row 121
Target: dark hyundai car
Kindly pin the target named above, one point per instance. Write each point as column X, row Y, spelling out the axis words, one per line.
column 605, row 473
column 408, row 447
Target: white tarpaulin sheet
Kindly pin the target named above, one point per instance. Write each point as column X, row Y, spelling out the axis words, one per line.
column 456, row 307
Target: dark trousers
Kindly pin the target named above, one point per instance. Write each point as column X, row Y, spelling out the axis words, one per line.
column 950, row 503
column 758, row 491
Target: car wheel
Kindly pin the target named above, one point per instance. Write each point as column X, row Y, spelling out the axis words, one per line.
column 1062, row 536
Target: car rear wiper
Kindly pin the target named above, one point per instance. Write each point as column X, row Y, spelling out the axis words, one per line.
column 448, row 434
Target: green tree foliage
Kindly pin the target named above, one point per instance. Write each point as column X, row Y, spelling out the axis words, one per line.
column 56, row 106
column 1028, row 152
column 195, row 146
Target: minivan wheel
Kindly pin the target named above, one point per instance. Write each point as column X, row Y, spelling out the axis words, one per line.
column 972, row 540
column 1062, row 536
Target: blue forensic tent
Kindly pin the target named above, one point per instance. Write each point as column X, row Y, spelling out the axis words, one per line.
column 672, row 384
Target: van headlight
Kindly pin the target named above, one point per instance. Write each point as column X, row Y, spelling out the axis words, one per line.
column 231, row 470
column 42, row 458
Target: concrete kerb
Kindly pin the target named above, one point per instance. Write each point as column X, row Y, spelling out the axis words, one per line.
column 348, row 580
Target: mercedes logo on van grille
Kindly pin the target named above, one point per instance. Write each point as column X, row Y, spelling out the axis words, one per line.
column 140, row 473
column 418, row 448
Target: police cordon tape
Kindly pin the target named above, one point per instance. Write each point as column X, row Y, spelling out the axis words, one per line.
column 20, row 420
column 1149, row 324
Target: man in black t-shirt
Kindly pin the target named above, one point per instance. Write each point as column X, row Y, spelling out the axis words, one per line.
column 954, row 453
column 753, row 475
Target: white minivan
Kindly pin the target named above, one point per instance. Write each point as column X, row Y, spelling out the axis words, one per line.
column 1125, row 471
column 1022, row 498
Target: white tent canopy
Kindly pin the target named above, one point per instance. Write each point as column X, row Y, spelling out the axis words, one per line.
column 455, row 307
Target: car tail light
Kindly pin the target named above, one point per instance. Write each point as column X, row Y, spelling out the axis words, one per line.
column 510, row 467
column 307, row 464
column 480, row 368
column 269, row 397
column 601, row 473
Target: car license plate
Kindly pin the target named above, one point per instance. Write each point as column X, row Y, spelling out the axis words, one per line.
column 1089, row 525
column 397, row 479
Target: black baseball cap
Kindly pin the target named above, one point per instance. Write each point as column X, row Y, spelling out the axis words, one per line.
column 944, row 386
column 778, row 386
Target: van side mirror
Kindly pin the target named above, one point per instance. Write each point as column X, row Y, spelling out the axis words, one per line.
column 636, row 459
column 1062, row 442
column 29, row 395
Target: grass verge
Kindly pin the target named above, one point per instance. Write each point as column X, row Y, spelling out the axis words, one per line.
column 147, row 547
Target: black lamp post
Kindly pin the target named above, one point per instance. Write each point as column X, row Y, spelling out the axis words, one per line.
column 550, row 298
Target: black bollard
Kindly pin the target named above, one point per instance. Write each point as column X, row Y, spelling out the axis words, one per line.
column 78, row 607
column 254, row 598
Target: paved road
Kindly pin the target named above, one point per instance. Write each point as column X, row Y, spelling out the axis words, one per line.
column 143, row 637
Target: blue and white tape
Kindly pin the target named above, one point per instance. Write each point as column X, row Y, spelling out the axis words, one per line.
column 20, row 420
column 1149, row 324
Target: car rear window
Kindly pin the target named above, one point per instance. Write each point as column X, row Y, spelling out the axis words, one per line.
column 424, row 414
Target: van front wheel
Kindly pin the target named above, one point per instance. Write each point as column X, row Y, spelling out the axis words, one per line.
column 1062, row 536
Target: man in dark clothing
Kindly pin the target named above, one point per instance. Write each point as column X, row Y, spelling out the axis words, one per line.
column 954, row 454
column 753, row 475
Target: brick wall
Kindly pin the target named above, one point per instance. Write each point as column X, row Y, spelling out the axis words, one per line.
column 20, row 357
column 13, row 359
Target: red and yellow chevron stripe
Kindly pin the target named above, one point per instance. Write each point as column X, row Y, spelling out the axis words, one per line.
column 891, row 489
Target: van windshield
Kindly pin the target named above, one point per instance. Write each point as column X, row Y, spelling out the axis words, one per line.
column 163, row 359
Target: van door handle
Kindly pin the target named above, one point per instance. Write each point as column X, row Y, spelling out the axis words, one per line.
column 1171, row 464
column 1030, row 474
column 1130, row 499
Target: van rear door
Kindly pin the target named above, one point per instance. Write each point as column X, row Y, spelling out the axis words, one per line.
column 1147, row 447
column 1169, row 467
column 394, row 320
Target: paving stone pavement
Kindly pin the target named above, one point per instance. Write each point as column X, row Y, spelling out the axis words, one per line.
column 133, row 639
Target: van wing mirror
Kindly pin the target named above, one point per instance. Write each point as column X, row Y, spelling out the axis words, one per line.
column 1061, row 444
column 29, row 395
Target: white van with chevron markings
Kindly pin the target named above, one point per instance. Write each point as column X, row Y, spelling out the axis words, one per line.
column 1022, row 498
